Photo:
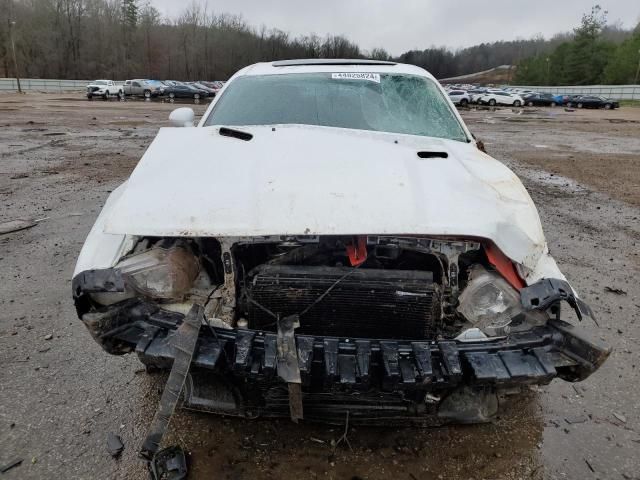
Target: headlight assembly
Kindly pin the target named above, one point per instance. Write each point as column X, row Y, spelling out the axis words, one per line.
column 161, row 273
column 490, row 303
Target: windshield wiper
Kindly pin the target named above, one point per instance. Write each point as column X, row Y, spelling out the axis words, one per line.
column 239, row 134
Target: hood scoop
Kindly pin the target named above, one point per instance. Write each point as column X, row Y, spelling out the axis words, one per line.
column 232, row 132
column 431, row 154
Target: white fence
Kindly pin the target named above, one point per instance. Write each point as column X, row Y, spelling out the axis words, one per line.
column 617, row 92
column 42, row 85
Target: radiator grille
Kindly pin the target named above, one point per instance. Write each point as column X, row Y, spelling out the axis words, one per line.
column 369, row 303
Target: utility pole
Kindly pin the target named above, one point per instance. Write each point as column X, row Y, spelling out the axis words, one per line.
column 638, row 69
column 13, row 49
column 548, row 70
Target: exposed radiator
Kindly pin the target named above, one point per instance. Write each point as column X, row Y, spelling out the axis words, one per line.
column 369, row 303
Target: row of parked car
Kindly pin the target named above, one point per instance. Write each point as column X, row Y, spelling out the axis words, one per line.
column 521, row 97
column 147, row 88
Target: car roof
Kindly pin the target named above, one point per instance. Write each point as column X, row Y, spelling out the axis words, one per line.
column 331, row 65
column 329, row 61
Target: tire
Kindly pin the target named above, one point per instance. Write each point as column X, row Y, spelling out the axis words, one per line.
column 464, row 102
column 607, row 106
column 569, row 104
column 147, row 94
column 89, row 97
column 105, row 95
column 120, row 95
column 517, row 103
column 172, row 95
column 530, row 103
column 492, row 102
column 196, row 96
column 580, row 105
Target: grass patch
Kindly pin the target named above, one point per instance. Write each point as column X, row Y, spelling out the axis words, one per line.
column 629, row 103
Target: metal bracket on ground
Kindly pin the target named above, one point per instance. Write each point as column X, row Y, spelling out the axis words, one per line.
column 184, row 342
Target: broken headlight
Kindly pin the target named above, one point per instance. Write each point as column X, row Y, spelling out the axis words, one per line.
column 489, row 302
column 161, row 273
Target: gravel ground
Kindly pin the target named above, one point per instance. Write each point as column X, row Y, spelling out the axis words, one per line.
column 61, row 394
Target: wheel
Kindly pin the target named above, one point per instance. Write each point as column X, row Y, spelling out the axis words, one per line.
column 553, row 104
column 89, row 97
column 607, row 106
column 492, row 102
column 530, row 103
column 464, row 102
column 517, row 103
column 120, row 95
column 147, row 94
column 569, row 104
column 579, row 105
column 196, row 96
column 172, row 95
column 105, row 95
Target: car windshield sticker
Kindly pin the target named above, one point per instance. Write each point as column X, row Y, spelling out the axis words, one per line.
column 371, row 77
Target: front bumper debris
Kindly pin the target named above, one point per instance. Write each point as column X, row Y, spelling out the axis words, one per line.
column 250, row 373
column 235, row 372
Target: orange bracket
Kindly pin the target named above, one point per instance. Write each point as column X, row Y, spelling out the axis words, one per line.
column 503, row 265
column 357, row 250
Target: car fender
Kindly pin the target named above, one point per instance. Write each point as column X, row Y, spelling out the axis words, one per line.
column 100, row 249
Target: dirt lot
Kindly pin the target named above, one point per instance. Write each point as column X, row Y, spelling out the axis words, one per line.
column 61, row 394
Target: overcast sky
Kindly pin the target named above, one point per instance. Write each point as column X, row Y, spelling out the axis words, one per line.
column 400, row 25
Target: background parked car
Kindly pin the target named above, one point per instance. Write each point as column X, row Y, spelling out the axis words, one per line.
column 141, row 87
column 460, row 97
column 593, row 101
column 541, row 100
column 501, row 98
column 216, row 85
column 104, row 89
column 476, row 93
column 159, row 85
column 210, row 91
column 182, row 90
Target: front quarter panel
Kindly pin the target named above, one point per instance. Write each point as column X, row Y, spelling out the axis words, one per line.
column 100, row 249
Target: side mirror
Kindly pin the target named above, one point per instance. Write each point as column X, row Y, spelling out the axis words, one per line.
column 182, row 117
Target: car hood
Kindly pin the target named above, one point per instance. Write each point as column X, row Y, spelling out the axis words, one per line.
column 302, row 180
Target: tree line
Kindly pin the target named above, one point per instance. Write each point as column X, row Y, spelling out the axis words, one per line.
column 589, row 56
column 118, row 39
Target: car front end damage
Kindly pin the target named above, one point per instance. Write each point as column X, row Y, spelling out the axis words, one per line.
column 387, row 328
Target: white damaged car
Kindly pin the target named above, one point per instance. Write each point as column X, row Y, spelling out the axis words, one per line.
column 328, row 239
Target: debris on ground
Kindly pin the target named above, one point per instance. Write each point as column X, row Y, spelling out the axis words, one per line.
column 8, row 466
column 576, row 419
column 169, row 464
column 589, row 465
column 48, row 337
column 620, row 417
column 114, row 445
column 617, row 291
column 16, row 225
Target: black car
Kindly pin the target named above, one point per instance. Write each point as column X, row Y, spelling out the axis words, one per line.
column 181, row 90
column 592, row 101
column 540, row 100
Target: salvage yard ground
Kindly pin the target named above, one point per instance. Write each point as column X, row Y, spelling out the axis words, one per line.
column 60, row 394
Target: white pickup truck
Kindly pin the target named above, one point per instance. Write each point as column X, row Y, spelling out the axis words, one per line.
column 104, row 89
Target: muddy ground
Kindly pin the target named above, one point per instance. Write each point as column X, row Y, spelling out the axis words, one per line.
column 60, row 394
